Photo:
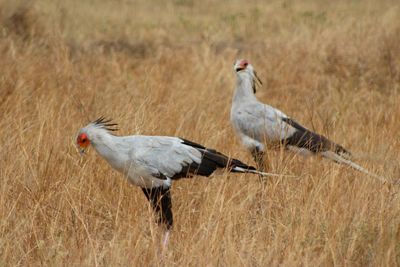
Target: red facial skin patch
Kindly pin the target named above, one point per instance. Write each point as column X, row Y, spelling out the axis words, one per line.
column 82, row 140
column 244, row 63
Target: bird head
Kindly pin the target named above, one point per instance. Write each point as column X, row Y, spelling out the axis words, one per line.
column 91, row 132
column 82, row 141
column 242, row 67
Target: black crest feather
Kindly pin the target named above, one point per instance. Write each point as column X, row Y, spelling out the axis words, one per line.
column 106, row 124
column 256, row 82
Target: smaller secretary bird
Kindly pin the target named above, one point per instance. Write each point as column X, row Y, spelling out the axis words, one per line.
column 152, row 162
column 258, row 124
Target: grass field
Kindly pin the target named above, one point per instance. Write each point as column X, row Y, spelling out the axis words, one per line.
column 165, row 68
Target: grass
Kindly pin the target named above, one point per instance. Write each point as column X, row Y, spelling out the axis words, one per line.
column 165, row 68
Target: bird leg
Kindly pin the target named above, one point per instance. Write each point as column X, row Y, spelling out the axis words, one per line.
column 165, row 240
column 260, row 159
column 160, row 199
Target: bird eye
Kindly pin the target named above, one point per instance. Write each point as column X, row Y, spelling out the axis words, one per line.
column 245, row 64
column 83, row 139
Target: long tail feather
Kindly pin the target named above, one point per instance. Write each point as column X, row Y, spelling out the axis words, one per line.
column 242, row 170
column 337, row 158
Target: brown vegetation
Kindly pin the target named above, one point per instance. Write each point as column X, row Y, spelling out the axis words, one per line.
column 165, row 68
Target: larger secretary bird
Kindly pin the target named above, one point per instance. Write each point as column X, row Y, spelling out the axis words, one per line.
column 258, row 125
column 152, row 162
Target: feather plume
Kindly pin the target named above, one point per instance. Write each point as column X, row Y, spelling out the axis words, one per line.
column 106, row 124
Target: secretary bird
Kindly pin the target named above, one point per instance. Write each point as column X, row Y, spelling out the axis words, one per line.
column 259, row 125
column 152, row 162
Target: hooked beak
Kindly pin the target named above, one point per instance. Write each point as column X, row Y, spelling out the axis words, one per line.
column 239, row 69
column 82, row 151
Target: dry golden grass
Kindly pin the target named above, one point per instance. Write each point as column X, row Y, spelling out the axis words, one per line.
column 166, row 69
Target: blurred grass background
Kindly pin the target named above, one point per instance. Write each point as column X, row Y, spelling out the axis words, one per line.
column 165, row 68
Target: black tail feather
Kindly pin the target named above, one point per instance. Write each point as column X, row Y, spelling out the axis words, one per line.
column 211, row 161
column 314, row 142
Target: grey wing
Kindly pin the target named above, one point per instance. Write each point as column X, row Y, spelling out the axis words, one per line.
column 174, row 158
column 262, row 122
column 266, row 123
column 166, row 157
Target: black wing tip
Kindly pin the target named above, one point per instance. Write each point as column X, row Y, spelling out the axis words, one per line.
column 312, row 141
column 192, row 144
column 106, row 124
column 212, row 160
column 252, row 168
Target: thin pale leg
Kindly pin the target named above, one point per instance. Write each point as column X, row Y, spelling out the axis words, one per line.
column 166, row 239
column 260, row 159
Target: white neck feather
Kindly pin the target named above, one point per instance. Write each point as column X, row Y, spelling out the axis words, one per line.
column 244, row 88
column 104, row 143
